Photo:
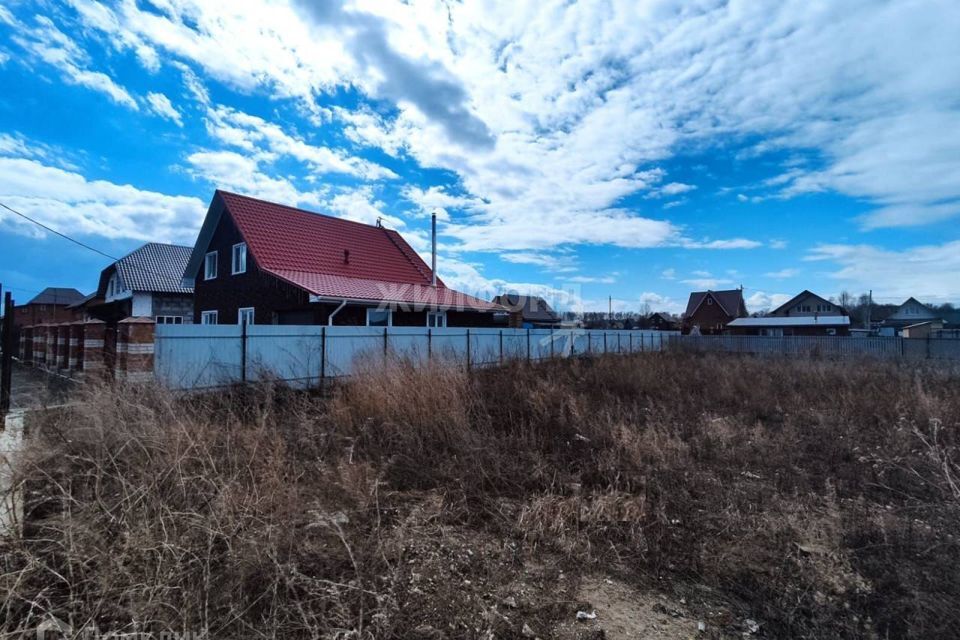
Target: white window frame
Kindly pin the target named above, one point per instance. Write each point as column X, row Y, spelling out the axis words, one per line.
column 234, row 270
column 244, row 310
column 169, row 319
column 207, row 263
column 389, row 313
column 443, row 319
column 207, row 316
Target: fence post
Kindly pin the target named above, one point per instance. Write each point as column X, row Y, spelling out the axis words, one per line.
column 243, row 350
column 6, row 364
column 429, row 345
column 604, row 342
column 631, row 342
column 528, row 345
column 552, row 335
column 386, row 339
column 468, row 349
column 323, row 357
column 501, row 347
column 619, row 348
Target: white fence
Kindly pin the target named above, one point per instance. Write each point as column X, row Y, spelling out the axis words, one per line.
column 200, row 356
column 825, row 346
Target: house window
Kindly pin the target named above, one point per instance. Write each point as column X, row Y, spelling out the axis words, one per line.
column 379, row 318
column 437, row 319
column 709, row 300
column 208, row 317
column 169, row 319
column 245, row 315
column 239, row 262
column 210, row 266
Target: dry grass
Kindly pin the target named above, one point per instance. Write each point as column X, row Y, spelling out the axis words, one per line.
column 819, row 497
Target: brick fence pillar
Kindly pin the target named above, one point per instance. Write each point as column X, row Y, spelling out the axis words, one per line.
column 63, row 347
column 27, row 350
column 50, row 359
column 94, row 332
column 76, row 346
column 23, row 345
column 135, row 349
column 39, row 345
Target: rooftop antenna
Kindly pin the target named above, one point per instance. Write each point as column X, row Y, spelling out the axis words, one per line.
column 380, row 222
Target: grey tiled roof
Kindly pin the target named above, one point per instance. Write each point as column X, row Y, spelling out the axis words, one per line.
column 155, row 267
column 535, row 308
column 57, row 295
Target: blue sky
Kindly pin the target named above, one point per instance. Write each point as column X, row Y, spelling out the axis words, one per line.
column 638, row 150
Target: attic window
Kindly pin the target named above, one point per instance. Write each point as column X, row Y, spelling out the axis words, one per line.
column 238, row 264
column 210, row 266
column 709, row 300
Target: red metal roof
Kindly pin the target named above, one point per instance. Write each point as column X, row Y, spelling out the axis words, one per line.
column 307, row 249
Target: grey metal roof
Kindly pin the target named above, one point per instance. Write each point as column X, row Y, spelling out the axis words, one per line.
column 57, row 295
column 792, row 321
column 155, row 267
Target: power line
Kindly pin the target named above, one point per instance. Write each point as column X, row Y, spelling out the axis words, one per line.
column 54, row 231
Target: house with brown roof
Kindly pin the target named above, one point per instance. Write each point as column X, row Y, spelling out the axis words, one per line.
column 50, row 306
column 709, row 312
column 265, row 263
column 805, row 314
column 529, row 312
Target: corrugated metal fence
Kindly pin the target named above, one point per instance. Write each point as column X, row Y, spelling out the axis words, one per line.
column 201, row 356
column 825, row 346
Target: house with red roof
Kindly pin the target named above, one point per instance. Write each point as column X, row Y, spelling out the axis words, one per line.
column 265, row 263
column 709, row 312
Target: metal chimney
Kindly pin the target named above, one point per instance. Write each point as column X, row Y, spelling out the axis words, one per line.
column 433, row 250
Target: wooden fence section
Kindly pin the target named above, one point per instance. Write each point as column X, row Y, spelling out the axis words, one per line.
column 204, row 356
column 822, row 346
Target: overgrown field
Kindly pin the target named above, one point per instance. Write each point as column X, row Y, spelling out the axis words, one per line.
column 773, row 498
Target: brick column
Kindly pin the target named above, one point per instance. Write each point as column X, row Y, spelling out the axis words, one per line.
column 22, row 351
column 27, row 350
column 50, row 332
column 135, row 349
column 63, row 347
column 39, row 345
column 76, row 346
column 94, row 332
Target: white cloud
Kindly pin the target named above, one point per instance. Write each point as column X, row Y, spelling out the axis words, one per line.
column 253, row 133
column 658, row 302
column 242, row 173
column 68, row 202
column 592, row 279
column 733, row 243
column 161, row 105
column 707, row 282
column 782, row 274
column 668, row 274
column 557, row 263
column 761, row 301
column 929, row 272
column 360, row 205
column 48, row 43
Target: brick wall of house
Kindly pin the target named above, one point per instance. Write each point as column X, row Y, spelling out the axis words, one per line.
column 31, row 314
column 710, row 317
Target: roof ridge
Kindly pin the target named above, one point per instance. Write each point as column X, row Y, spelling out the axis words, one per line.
column 298, row 209
column 403, row 250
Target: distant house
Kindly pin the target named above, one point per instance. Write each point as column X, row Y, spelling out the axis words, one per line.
column 806, row 314
column 50, row 306
column 708, row 312
column 528, row 311
column 661, row 321
column 911, row 312
column 807, row 304
column 259, row 262
column 147, row 282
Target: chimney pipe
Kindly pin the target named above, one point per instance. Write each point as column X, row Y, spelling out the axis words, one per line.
column 433, row 251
